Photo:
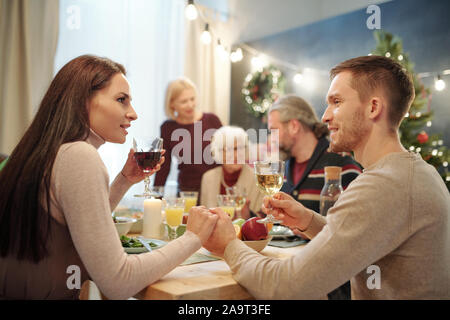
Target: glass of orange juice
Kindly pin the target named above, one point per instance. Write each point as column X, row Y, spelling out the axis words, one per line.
column 174, row 208
column 227, row 204
column 190, row 200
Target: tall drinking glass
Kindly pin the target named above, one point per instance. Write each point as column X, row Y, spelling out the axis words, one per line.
column 190, row 200
column 174, row 208
column 147, row 155
column 227, row 204
column 239, row 195
column 269, row 178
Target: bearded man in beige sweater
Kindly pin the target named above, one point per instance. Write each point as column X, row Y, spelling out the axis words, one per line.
column 391, row 222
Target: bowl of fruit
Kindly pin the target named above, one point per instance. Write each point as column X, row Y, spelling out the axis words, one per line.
column 253, row 234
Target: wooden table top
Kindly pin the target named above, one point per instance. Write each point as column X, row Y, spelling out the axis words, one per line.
column 210, row 280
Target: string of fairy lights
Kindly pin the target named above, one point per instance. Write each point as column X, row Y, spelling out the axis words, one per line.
column 305, row 77
column 259, row 60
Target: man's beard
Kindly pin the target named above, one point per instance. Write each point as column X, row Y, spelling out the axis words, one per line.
column 349, row 136
column 285, row 153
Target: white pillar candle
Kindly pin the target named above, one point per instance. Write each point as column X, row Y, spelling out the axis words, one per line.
column 152, row 219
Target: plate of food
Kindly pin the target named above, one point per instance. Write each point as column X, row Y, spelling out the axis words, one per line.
column 281, row 233
column 131, row 213
column 133, row 245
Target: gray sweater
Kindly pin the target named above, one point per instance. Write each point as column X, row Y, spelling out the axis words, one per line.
column 83, row 234
column 391, row 224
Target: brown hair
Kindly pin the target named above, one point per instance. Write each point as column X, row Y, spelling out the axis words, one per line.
column 370, row 73
column 62, row 117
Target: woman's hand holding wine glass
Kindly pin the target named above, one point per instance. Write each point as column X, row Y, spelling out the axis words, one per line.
column 134, row 173
column 148, row 156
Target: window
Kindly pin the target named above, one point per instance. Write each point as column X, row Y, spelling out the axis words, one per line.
column 147, row 37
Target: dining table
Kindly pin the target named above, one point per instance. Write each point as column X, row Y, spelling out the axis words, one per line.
column 210, row 280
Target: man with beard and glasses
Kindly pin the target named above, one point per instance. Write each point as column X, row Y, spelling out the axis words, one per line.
column 389, row 232
column 303, row 143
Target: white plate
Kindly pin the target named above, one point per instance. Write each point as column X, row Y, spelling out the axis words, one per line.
column 281, row 232
column 158, row 242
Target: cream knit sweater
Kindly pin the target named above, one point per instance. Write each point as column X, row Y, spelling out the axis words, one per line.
column 394, row 216
column 81, row 204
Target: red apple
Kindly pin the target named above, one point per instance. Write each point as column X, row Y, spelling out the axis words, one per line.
column 252, row 230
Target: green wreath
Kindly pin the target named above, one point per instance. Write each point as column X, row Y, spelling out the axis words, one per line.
column 261, row 89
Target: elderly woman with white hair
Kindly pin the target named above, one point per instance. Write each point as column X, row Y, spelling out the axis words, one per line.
column 229, row 147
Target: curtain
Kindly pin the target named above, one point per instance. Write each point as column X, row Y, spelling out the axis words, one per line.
column 147, row 37
column 28, row 40
column 204, row 66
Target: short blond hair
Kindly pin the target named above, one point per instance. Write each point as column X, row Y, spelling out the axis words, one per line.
column 174, row 89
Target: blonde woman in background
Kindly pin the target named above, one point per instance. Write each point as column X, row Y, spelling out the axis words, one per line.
column 182, row 112
column 229, row 146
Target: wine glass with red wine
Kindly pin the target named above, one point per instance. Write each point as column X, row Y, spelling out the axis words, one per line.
column 147, row 155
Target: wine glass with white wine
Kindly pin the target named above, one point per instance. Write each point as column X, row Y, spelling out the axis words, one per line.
column 269, row 178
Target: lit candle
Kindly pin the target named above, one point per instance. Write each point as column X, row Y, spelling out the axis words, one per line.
column 152, row 219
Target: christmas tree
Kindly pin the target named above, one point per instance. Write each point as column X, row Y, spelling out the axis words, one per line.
column 413, row 129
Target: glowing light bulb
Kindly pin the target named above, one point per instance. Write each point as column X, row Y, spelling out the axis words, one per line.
column 256, row 62
column 222, row 53
column 259, row 63
column 309, row 81
column 239, row 54
column 298, row 78
column 439, row 84
column 233, row 57
column 206, row 35
column 236, row 56
column 191, row 11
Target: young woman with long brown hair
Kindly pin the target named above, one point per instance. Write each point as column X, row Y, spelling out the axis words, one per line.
column 55, row 198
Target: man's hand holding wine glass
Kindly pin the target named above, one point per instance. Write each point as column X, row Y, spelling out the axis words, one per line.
column 285, row 208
